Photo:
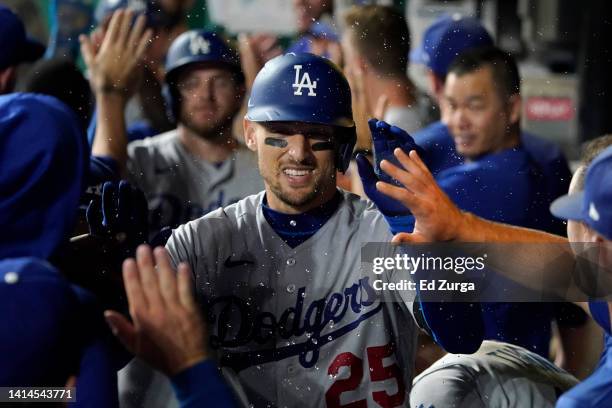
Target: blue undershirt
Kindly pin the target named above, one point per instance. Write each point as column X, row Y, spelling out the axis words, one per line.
column 295, row 229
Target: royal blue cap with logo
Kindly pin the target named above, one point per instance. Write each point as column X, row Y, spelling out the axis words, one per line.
column 15, row 46
column 593, row 205
column 448, row 37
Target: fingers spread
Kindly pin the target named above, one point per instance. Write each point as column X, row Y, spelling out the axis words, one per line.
column 136, row 32
column 124, row 27
column 403, row 176
column 143, row 44
column 113, row 28
column 123, row 329
column 404, row 196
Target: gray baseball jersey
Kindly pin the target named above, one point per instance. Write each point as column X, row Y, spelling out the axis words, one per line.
column 181, row 187
column 498, row 375
column 301, row 326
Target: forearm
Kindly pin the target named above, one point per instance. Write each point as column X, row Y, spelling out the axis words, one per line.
column 536, row 259
column 111, row 138
column 201, row 385
column 476, row 229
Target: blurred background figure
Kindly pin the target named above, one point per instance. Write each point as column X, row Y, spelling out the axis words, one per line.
column 375, row 46
column 69, row 19
column 15, row 48
column 60, row 77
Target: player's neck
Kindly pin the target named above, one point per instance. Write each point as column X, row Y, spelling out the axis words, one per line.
column 277, row 204
column 212, row 150
column 400, row 91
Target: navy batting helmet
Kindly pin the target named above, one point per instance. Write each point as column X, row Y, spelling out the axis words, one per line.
column 305, row 88
column 198, row 47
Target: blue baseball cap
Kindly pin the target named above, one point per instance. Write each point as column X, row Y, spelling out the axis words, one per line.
column 593, row 205
column 448, row 37
column 15, row 46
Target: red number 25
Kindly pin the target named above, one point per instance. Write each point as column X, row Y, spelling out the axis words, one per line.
column 377, row 373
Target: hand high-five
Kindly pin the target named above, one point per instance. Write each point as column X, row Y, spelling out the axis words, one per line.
column 167, row 330
column 115, row 65
column 437, row 218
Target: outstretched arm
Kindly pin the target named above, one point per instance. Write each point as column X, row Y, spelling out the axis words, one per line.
column 114, row 69
column 167, row 330
column 437, row 219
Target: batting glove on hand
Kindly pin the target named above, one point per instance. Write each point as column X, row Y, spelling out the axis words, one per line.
column 119, row 214
column 385, row 139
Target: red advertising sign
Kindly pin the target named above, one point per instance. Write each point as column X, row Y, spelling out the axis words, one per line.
column 549, row 109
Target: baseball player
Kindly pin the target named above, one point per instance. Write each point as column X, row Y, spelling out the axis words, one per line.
column 51, row 332
column 497, row 375
column 279, row 271
column 588, row 214
column 381, row 70
column 498, row 181
column 443, row 41
column 50, row 329
column 199, row 166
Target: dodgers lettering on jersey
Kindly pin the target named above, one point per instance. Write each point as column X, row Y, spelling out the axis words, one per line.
column 497, row 375
column 300, row 326
column 180, row 187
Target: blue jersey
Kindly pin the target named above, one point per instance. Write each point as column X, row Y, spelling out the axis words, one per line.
column 37, row 303
column 440, row 154
column 596, row 390
column 506, row 187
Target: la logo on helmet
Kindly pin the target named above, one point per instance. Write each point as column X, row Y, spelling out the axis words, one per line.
column 199, row 45
column 305, row 81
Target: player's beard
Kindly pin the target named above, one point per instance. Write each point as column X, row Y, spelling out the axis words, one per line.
column 324, row 180
column 211, row 130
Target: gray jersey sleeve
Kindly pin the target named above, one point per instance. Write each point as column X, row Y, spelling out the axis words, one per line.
column 498, row 375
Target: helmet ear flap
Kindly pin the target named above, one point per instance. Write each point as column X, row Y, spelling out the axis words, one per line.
column 344, row 142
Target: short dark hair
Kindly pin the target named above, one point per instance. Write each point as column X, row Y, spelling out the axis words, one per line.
column 503, row 68
column 60, row 77
column 590, row 150
column 381, row 36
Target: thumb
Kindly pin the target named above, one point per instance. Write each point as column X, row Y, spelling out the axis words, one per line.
column 122, row 329
column 366, row 172
column 408, row 238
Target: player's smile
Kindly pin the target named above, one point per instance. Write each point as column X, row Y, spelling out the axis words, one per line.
column 298, row 176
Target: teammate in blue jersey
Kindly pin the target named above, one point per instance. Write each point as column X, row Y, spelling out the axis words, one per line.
column 444, row 40
column 589, row 218
column 498, row 180
column 50, row 329
column 52, row 332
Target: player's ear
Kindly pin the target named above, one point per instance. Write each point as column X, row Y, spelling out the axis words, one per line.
column 250, row 137
column 514, row 108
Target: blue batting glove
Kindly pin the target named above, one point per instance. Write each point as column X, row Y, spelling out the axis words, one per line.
column 386, row 139
column 120, row 214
